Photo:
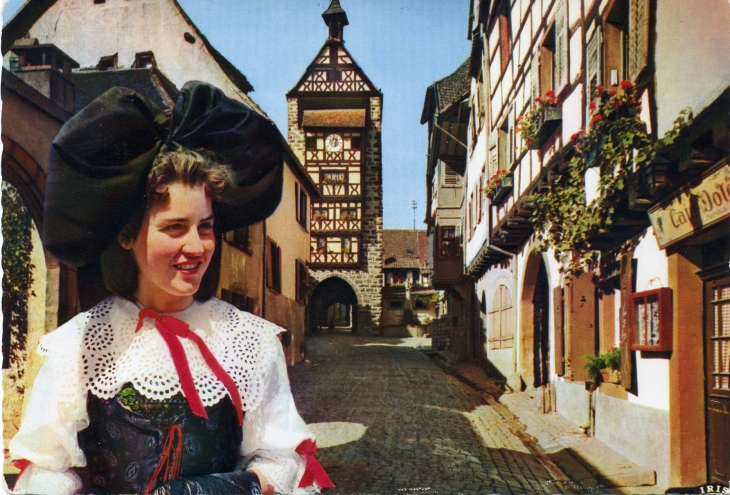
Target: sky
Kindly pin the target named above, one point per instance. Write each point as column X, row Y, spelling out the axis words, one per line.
column 403, row 46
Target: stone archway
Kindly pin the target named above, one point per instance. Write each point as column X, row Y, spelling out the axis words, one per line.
column 333, row 305
column 534, row 355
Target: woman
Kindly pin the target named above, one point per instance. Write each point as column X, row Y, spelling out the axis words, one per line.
column 149, row 388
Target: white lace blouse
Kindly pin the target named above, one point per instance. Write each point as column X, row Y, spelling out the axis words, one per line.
column 98, row 351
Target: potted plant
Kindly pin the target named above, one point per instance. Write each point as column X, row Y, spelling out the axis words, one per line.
column 604, row 367
column 498, row 186
column 540, row 120
column 319, row 216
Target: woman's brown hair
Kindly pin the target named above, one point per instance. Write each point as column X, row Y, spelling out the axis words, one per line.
column 188, row 167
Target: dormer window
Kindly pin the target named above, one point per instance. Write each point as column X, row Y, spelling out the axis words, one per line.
column 144, row 60
column 106, row 63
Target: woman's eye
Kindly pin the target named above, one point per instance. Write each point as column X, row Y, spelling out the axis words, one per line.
column 206, row 227
column 174, row 228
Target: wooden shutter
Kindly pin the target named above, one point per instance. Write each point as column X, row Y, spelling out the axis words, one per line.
column 493, row 157
column 535, row 75
column 559, row 331
column 582, row 324
column 561, row 46
column 638, row 37
column 593, row 63
column 627, row 288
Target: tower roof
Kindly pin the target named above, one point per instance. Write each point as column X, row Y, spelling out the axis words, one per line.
column 336, row 20
column 335, row 12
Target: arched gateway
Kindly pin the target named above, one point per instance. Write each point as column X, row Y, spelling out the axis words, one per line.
column 333, row 305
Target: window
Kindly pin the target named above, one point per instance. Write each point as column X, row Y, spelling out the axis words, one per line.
column 448, row 243
column 334, row 178
column 273, row 266
column 334, row 75
column 549, row 67
column 396, row 305
column 420, row 304
column 500, row 320
column 241, row 301
column 348, row 213
column 144, row 60
column 240, row 239
column 106, row 63
column 450, row 177
column 302, row 202
column 302, row 281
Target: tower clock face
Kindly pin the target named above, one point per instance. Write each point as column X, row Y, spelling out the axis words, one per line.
column 333, row 143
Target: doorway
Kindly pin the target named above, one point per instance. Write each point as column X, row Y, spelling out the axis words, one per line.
column 541, row 336
column 717, row 369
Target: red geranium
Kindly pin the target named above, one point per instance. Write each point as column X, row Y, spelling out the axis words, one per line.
column 612, row 92
column 596, row 118
column 592, row 106
column 626, row 84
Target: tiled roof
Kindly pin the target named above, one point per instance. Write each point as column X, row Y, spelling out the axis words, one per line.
column 149, row 82
column 334, row 118
column 442, row 94
column 453, row 87
column 405, row 249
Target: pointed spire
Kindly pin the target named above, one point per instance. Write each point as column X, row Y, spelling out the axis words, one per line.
column 336, row 20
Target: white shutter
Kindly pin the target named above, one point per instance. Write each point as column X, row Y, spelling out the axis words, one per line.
column 638, row 37
column 561, row 46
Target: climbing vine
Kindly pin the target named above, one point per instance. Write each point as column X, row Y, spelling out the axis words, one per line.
column 615, row 142
column 17, row 279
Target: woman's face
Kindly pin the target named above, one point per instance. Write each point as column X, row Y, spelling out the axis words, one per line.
column 173, row 248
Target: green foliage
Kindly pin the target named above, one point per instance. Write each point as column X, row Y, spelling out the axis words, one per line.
column 426, row 298
column 609, row 360
column 17, row 276
column 615, row 142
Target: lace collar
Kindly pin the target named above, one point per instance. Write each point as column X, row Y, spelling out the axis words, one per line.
column 107, row 353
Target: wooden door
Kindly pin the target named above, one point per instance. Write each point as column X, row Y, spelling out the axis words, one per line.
column 717, row 340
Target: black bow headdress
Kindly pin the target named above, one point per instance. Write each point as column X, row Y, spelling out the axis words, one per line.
column 101, row 157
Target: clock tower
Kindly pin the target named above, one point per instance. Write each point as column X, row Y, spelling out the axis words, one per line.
column 334, row 127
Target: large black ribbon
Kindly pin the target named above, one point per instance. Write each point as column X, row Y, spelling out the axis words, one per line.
column 101, row 157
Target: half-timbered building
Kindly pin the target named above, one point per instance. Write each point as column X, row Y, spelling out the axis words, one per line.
column 574, row 108
column 335, row 115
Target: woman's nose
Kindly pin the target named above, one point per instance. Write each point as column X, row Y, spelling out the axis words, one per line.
column 193, row 244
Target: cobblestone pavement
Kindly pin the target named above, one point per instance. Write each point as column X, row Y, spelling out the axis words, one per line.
column 389, row 421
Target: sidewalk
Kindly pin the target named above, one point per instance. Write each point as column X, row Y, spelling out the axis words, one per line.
column 581, row 463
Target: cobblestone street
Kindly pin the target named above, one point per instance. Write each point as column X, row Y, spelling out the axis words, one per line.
column 390, row 421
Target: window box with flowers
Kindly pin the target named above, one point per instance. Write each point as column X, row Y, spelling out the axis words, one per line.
column 498, row 186
column 539, row 122
column 617, row 144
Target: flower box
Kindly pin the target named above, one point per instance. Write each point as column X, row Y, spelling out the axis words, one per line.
column 550, row 119
column 502, row 190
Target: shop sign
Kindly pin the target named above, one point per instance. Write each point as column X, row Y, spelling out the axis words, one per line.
column 693, row 209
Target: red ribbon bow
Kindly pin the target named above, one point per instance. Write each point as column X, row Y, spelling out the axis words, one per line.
column 170, row 328
column 314, row 470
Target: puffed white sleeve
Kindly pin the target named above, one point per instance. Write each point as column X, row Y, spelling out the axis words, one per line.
column 274, row 431
column 56, row 412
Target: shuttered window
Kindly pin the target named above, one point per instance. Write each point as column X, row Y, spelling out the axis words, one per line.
column 638, row 37
column 273, row 266
column 500, row 330
column 561, row 47
column 593, row 66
